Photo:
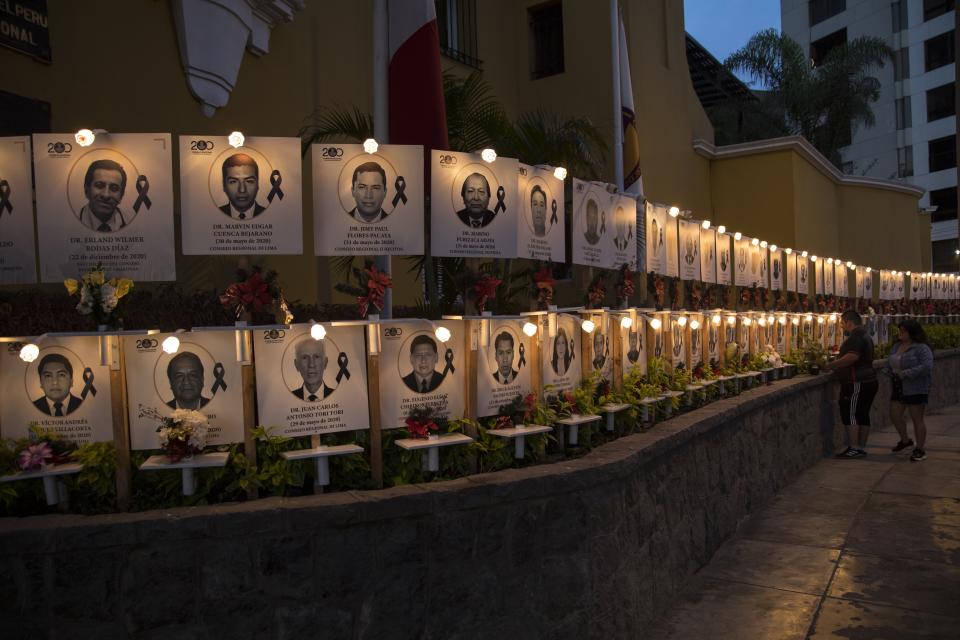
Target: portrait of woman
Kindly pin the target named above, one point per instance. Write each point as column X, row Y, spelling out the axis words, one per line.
column 562, row 353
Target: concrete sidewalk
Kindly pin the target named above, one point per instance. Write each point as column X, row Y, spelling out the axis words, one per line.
column 864, row 549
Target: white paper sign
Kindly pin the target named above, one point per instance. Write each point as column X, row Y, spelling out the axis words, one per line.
column 633, row 344
column 689, row 250
column 828, row 279
column 560, row 355
column 724, row 260
column 18, row 262
column 868, row 285
column 592, row 226
column 306, row 386
column 780, row 335
column 803, row 275
column 245, row 200
column 656, row 217
column 695, row 338
column 367, row 203
column 503, row 367
column 600, row 342
column 820, row 269
column 624, row 237
column 474, row 206
column 742, row 272
column 202, row 375
column 791, row 283
column 708, row 255
column 678, row 345
column 714, row 334
column 777, row 265
column 673, row 258
column 417, row 371
column 109, row 203
column 65, row 389
column 541, row 229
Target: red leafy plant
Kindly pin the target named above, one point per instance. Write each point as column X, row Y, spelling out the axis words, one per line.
column 370, row 290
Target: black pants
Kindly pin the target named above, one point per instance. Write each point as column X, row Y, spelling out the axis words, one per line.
column 855, row 402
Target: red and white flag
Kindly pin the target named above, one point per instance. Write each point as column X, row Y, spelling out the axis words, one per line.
column 417, row 112
column 632, row 179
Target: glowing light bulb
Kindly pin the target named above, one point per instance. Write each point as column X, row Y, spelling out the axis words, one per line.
column 809, row 317
column 626, row 322
column 560, row 173
column 682, row 321
column 694, row 324
column 819, row 319
column 773, row 247
column 721, row 229
column 804, row 254
column 737, row 235
column 674, row 212
column 235, row 139
column 655, row 324
column 813, row 258
column 705, row 224
column 731, row 320
column 747, row 322
column 783, row 319
column 588, row 326
column 370, row 145
column 530, row 329
column 869, row 269
column 29, row 352
column 84, row 137
column 762, row 322
column 908, row 273
column 755, row 242
column 795, row 321
column 770, row 319
column 442, row 333
column 716, row 319
column 317, row 332
column 488, row 155
column 763, row 244
column 170, row 344
column 788, row 251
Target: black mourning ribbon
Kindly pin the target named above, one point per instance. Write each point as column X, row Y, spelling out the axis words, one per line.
column 218, row 382
column 275, row 180
column 603, row 222
column 88, row 384
column 143, row 200
column 449, row 368
column 5, row 198
column 553, row 208
column 342, row 362
column 400, row 185
column 523, row 357
column 500, row 195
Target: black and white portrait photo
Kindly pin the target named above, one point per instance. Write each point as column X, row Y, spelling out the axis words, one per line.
column 56, row 380
column 592, row 217
column 104, row 185
column 368, row 186
column 241, row 184
column 560, row 362
column 503, row 367
column 310, row 361
column 540, row 229
column 475, row 193
column 538, row 210
column 504, row 350
column 424, row 356
column 186, row 379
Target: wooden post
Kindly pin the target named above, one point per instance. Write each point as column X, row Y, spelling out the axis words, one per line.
column 373, row 395
column 471, row 345
column 536, row 372
column 121, row 423
column 249, row 384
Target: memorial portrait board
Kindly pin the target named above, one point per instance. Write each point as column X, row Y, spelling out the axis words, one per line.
column 367, row 203
column 624, row 237
column 678, row 344
column 473, row 206
column 870, row 322
column 592, row 225
column 541, row 230
column 503, row 366
column 708, row 255
column 899, row 279
column 600, row 343
column 780, row 335
column 65, row 390
column 310, row 387
column 689, row 250
column 695, row 341
column 656, row 218
column 203, row 375
column 633, row 344
column 17, row 255
column 560, row 354
column 724, row 260
column 673, row 249
column 417, row 370
column 777, row 275
column 792, row 276
column 244, row 200
column 821, row 274
column 861, row 276
column 803, row 275
column 742, row 273
column 656, row 336
column 109, row 203
column 841, row 281
column 868, row 284
column 713, row 334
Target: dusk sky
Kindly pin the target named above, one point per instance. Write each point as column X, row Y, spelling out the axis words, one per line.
column 723, row 26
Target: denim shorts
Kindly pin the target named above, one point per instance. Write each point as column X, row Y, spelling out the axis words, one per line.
column 896, row 395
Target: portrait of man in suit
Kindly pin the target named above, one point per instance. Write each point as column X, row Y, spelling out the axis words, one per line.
column 599, row 350
column 423, row 358
column 185, row 374
column 369, row 188
column 56, row 379
column 633, row 346
column 104, row 185
column 593, row 219
column 310, row 360
column 620, row 241
column 476, row 200
column 241, row 183
column 503, row 350
column 538, row 211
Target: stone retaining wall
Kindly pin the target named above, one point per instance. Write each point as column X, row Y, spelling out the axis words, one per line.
column 594, row 547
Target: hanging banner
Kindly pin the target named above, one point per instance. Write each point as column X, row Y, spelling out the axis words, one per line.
column 503, row 366
column 634, row 346
column 899, row 286
column 916, row 285
column 656, row 217
column 418, row 371
column 884, row 284
column 803, row 275
column 818, row 270
column 65, row 390
column 541, row 227
column 724, row 260
column 601, row 358
column 309, row 387
column 827, row 276
column 742, row 271
column 860, row 275
column 777, row 275
column 689, row 250
column 673, row 259
column 110, row 203
column 678, row 346
column 559, row 355
column 474, row 206
column 591, row 228
column 714, row 331
column 708, row 255
column 780, row 335
column 17, row 257
column 759, row 266
column 202, row 375
column 792, row 275
column 841, row 279
column 624, row 239
column 868, row 284
column 696, row 343
column 367, row 203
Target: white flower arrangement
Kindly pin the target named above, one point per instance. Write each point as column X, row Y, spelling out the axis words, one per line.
column 771, row 357
column 182, row 433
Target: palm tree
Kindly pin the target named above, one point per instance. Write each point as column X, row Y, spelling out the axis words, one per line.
column 825, row 103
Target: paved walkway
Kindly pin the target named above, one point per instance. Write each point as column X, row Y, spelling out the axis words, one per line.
column 862, row 549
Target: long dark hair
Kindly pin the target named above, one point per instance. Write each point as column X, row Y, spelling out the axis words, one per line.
column 567, row 357
column 915, row 330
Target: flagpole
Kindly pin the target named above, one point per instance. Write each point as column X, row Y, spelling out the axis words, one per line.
column 381, row 115
column 617, row 101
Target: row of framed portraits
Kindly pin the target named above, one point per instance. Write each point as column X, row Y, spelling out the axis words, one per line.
column 685, row 249
column 312, row 387
column 112, row 202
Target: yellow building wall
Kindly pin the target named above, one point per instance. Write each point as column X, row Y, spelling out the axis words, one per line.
column 752, row 194
column 883, row 229
column 816, row 210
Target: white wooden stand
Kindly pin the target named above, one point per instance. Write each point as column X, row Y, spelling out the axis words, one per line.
column 669, row 396
column 321, row 456
column 612, row 410
column 768, row 375
column 645, row 405
column 519, row 435
column 573, row 425
column 722, row 381
column 431, row 447
column 691, row 390
column 186, row 466
column 51, row 486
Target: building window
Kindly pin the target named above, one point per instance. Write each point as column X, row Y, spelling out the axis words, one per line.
column 904, row 162
column 901, row 64
column 820, row 48
column 904, row 118
column 546, row 39
column 941, row 102
column 939, row 51
column 457, row 23
column 820, row 10
column 945, row 200
column 943, row 153
column 945, row 258
column 900, row 20
column 934, row 8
